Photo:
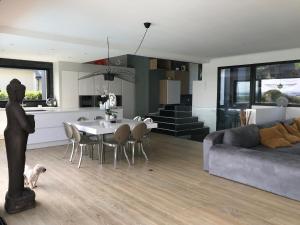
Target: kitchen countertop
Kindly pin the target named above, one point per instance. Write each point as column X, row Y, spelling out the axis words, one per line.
column 37, row 110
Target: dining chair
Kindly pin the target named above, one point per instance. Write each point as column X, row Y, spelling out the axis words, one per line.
column 118, row 140
column 137, row 118
column 137, row 135
column 69, row 134
column 98, row 118
column 82, row 142
column 148, row 130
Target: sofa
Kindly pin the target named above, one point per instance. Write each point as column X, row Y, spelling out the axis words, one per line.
column 237, row 154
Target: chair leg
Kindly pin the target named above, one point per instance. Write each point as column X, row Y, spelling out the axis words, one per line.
column 115, row 158
column 142, row 149
column 81, row 153
column 66, row 150
column 72, row 154
column 99, row 154
column 125, row 153
column 133, row 146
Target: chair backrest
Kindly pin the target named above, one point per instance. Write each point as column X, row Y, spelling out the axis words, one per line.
column 98, row 118
column 148, row 121
column 122, row 134
column 76, row 134
column 82, row 118
column 68, row 130
column 139, row 131
column 137, row 118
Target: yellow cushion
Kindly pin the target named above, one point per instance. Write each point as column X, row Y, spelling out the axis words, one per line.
column 297, row 122
column 273, row 138
column 289, row 137
column 292, row 129
column 276, row 143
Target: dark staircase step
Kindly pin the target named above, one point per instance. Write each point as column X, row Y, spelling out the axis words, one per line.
column 178, row 127
column 178, row 107
column 196, row 133
column 176, row 114
column 156, row 118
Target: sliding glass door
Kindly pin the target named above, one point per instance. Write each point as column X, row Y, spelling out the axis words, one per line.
column 234, row 87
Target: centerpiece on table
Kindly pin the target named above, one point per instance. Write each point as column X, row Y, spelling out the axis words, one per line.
column 110, row 115
column 103, row 101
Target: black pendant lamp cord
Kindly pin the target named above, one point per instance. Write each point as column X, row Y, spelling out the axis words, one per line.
column 138, row 48
column 108, row 62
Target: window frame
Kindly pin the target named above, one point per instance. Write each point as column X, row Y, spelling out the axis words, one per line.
column 34, row 65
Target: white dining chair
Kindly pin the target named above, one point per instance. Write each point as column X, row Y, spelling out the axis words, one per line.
column 137, row 118
column 69, row 134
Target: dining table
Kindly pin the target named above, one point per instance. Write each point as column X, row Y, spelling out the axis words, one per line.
column 102, row 127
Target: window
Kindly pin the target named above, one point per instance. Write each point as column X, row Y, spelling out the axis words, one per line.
column 239, row 87
column 36, row 76
column 34, row 80
column 275, row 80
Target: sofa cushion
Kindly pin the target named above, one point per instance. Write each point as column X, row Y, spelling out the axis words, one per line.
column 273, row 138
column 245, row 137
column 289, row 137
column 292, row 129
column 294, row 149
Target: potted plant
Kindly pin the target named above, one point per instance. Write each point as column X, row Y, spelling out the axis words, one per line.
column 110, row 115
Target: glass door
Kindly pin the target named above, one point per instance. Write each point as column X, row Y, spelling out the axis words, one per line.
column 233, row 95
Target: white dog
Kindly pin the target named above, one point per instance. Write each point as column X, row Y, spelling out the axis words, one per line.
column 31, row 175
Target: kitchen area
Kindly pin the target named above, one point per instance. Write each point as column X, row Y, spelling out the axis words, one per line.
column 74, row 98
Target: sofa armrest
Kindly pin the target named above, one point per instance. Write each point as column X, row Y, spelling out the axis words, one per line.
column 209, row 141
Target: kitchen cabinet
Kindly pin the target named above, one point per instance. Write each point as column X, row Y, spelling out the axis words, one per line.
column 86, row 86
column 101, row 85
column 170, row 92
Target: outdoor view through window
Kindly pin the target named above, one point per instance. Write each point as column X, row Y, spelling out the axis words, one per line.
column 275, row 80
column 34, row 80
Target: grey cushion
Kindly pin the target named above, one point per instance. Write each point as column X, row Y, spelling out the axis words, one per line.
column 246, row 137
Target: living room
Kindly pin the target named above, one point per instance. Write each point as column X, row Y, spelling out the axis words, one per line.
column 161, row 112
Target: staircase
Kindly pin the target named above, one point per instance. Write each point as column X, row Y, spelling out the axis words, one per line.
column 177, row 120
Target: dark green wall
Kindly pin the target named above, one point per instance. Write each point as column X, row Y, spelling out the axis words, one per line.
column 141, row 65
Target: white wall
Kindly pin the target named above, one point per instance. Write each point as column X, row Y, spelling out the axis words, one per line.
column 27, row 77
column 205, row 91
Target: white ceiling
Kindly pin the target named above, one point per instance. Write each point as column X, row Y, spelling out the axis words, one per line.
column 190, row 30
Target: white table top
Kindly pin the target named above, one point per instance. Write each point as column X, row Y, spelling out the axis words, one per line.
column 98, row 127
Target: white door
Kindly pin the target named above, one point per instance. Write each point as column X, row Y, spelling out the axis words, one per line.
column 69, row 89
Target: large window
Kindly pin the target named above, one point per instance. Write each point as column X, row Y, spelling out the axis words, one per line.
column 275, row 80
column 36, row 76
column 240, row 87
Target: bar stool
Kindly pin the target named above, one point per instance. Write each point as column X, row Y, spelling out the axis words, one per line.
column 69, row 134
column 118, row 140
column 82, row 142
column 137, row 135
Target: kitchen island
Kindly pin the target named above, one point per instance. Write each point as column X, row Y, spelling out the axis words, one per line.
column 49, row 129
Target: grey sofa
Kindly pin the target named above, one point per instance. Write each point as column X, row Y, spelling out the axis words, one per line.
column 237, row 154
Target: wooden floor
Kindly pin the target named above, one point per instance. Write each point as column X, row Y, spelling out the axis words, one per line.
column 170, row 189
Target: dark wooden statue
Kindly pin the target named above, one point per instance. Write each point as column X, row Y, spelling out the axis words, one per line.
column 19, row 126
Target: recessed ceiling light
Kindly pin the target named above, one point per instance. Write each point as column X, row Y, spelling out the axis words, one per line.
column 50, row 49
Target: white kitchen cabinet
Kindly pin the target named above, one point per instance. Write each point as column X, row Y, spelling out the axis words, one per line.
column 115, row 86
column 86, row 86
column 69, row 89
column 101, row 85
